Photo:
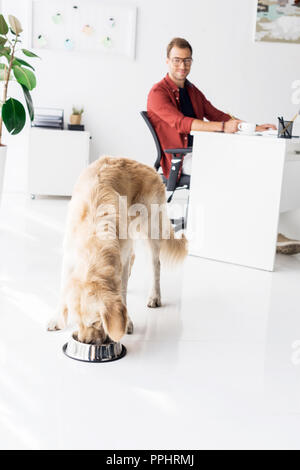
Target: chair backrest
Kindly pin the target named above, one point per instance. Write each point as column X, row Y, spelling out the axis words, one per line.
column 153, row 133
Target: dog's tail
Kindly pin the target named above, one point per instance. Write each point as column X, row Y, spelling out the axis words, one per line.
column 173, row 249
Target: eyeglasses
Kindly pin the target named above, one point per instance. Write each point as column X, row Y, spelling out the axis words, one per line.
column 177, row 61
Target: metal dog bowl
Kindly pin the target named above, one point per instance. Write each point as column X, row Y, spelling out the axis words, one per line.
column 93, row 352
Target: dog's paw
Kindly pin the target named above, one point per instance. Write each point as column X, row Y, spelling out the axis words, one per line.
column 154, row 302
column 54, row 325
column 129, row 329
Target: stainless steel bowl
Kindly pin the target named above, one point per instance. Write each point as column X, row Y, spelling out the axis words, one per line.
column 93, row 352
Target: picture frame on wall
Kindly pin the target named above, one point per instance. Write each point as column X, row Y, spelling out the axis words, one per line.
column 278, row 21
column 84, row 26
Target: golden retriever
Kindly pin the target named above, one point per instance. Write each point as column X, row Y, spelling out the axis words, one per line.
column 114, row 200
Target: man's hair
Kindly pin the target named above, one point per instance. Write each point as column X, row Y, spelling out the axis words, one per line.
column 179, row 42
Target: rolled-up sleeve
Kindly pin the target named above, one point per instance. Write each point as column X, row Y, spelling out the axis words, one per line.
column 161, row 105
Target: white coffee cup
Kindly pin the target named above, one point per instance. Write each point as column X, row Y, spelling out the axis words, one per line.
column 247, row 128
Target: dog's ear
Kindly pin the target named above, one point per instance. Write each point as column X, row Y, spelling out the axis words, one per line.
column 115, row 319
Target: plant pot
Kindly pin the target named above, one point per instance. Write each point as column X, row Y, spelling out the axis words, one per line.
column 3, row 150
column 75, row 119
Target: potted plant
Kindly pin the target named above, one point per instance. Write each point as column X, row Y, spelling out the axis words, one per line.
column 75, row 117
column 13, row 68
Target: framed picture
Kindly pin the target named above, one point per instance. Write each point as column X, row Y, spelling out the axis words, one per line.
column 278, row 21
column 83, row 26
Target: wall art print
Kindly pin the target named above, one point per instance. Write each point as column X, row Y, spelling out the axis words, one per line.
column 278, row 21
column 84, row 26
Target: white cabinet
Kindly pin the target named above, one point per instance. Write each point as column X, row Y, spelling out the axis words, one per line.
column 56, row 159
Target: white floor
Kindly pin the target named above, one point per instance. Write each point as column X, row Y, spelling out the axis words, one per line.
column 218, row 366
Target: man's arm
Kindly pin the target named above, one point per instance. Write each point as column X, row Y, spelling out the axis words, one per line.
column 265, row 127
column 162, row 106
column 230, row 127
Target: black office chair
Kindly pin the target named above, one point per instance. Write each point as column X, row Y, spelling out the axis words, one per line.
column 172, row 183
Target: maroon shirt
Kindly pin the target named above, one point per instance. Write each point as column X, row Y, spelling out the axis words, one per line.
column 171, row 126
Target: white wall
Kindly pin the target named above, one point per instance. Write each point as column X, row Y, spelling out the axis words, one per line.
column 251, row 80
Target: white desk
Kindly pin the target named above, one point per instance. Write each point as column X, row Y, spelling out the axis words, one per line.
column 239, row 185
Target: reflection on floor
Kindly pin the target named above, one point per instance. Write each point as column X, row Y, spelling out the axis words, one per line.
column 218, row 366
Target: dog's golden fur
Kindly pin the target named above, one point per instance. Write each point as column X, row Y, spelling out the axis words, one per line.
column 96, row 268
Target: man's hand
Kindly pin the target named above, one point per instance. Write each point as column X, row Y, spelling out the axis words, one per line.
column 230, row 127
column 265, row 127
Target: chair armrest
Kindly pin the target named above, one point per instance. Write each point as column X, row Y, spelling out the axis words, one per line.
column 176, row 162
column 180, row 151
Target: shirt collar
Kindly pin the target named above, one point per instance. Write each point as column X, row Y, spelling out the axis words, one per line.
column 173, row 85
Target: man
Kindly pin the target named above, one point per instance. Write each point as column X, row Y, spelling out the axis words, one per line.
column 176, row 107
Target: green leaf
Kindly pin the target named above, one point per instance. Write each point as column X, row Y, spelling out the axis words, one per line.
column 15, row 24
column 18, row 61
column 29, row 54
column 4, row 50
column 2, row 40
column 3, row 25
column 13, row 115
column 29, row 102
column 25, row 77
